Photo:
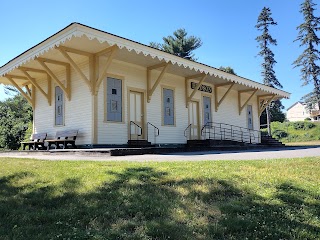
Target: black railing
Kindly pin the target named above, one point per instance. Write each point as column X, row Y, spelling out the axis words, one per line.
column 156, row 131
column 186, row 130
column 136, row 125
column 223, row 131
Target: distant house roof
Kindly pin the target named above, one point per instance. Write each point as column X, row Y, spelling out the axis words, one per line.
column 302, row 103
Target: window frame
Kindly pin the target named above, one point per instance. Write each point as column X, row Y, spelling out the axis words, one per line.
column 251, row 117
column 105, row 105
column 202, row 106
column 55, row 107
column 162, row 106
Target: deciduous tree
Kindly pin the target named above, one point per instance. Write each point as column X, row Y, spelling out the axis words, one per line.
column 15, row 116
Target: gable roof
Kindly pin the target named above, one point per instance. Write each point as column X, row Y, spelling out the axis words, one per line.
column 77, row 30
column 302, row 103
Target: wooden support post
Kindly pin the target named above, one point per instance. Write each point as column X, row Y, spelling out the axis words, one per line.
column 68, row 81
column 28, row 90
column 151, row 90
column 186, row 91
column 49, row 88
column 92, row 77
column 33, row 96
column 241, row 107
column 216, row 101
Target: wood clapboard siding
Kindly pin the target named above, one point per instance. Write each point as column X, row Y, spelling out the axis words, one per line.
column 229, row 113
column 77, row 112
column 168, row 133
column 133, row 77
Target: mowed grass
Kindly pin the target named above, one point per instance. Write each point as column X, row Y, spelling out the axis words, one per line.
column 278, row 199
column 309, row 143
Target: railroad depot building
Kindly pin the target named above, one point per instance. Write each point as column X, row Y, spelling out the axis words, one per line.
column 112, row 89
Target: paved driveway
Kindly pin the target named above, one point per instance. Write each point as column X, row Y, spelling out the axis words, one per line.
column 288, row 152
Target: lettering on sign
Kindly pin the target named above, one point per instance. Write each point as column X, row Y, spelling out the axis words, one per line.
column 202, row 88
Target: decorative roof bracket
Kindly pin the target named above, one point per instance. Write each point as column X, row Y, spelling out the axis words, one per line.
column 65, row 88
column 216, row 101
column 111, row 51
column 65, row 50
column 30, row 96
column 202, row 76
column 150, row 88
column 263, row 103
column 47, row 94
column 241, row 107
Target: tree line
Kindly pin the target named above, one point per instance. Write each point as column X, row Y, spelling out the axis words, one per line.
column 15, row 121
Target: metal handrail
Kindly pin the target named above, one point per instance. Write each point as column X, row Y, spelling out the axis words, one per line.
column 226, row 131
column 154, row 128
column 132, row 122
column 185, row 131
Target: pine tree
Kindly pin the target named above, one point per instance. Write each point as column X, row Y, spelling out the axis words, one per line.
column 265, row 40
column 227, row 70
column 308, row 61
column 179, row 44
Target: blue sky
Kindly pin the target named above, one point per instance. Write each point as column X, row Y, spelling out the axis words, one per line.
column 225, row 27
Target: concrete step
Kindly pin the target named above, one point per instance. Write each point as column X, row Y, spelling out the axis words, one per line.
column 212, row 143
column 270, row 141
column 139, row 143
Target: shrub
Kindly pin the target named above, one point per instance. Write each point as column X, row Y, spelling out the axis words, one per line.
column 308, row 119
column 279, row 134
column 308, row 125
column 298, row 125
column 303, row 125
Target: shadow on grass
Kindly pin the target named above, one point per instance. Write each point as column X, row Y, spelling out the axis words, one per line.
column 142, row 203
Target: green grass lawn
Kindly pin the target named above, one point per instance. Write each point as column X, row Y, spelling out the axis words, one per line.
column 278, row 199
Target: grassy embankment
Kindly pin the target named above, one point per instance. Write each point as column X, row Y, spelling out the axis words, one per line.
column 276, row 199
column 305, row 133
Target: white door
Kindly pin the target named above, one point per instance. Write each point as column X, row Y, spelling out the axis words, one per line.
column 136, row 123
column 194, row 120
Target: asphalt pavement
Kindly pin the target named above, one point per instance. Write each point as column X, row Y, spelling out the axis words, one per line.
column 99, row 155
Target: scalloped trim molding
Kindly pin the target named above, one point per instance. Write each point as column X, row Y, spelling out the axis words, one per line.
column 77, row 30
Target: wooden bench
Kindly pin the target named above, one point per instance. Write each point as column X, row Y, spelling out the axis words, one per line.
column 36, row 141
column 63, row 139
